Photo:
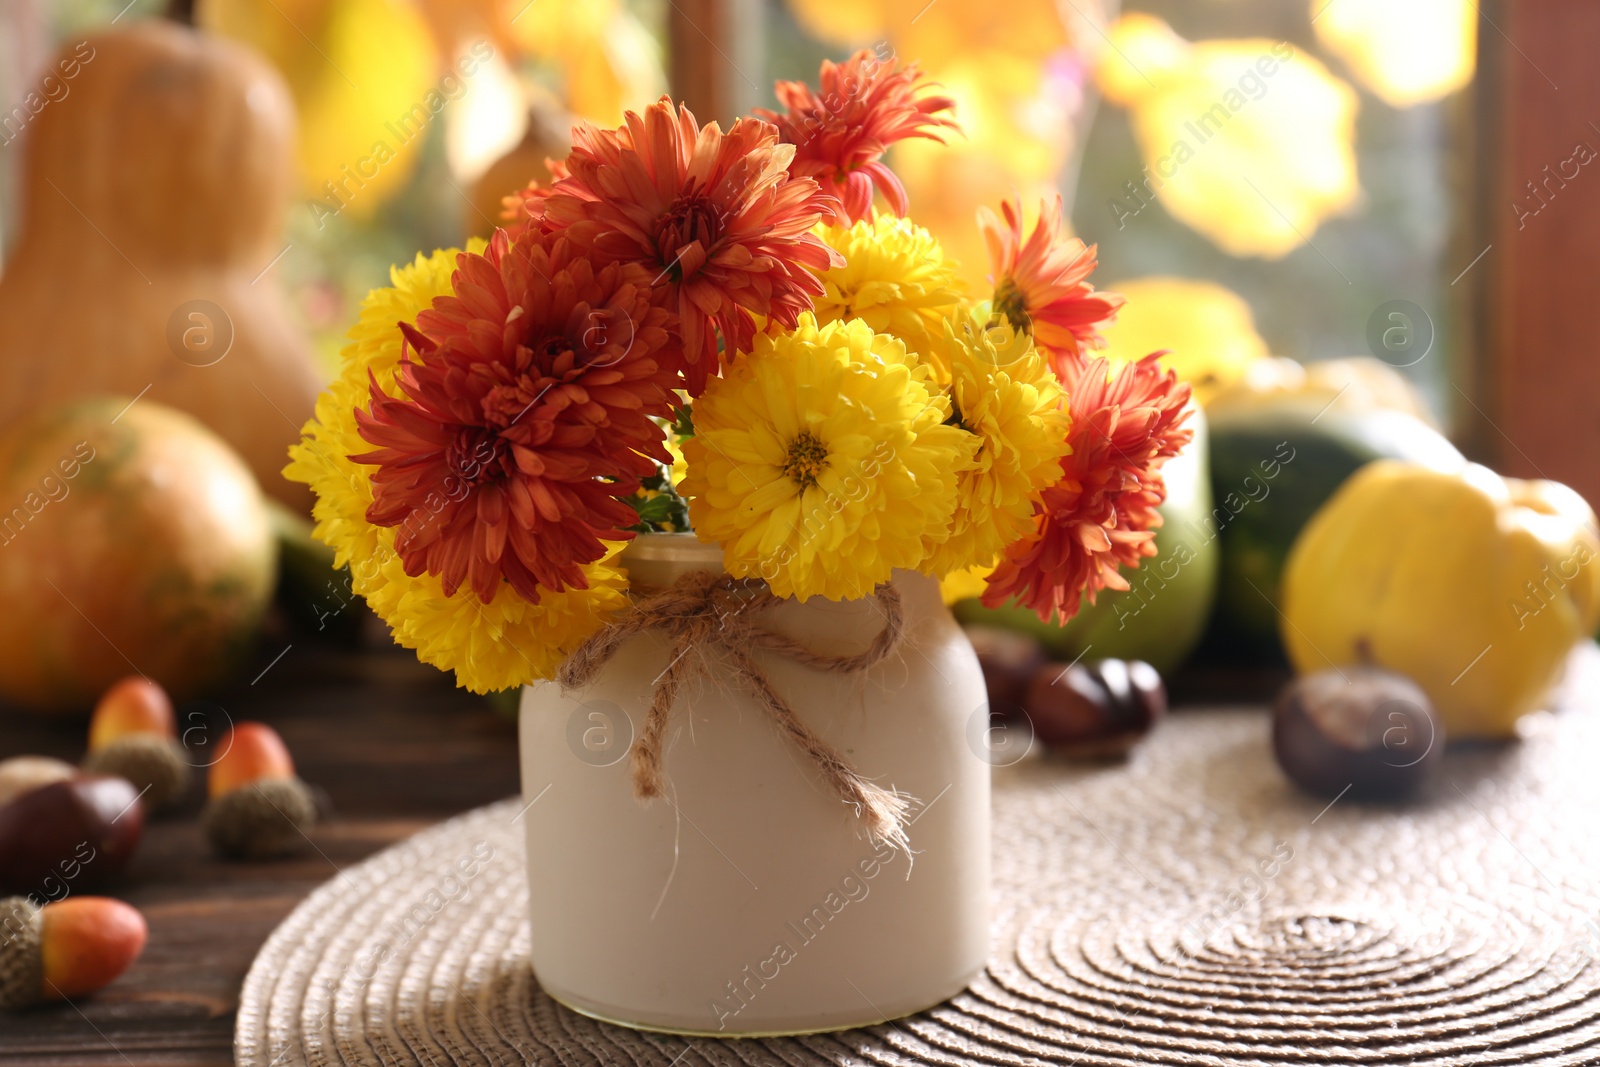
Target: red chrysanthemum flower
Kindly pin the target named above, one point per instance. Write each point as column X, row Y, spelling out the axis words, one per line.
column 1041, row 284
column 841, row 133
column 524, row 209
column 1100, row 515
column 523, row 415
column 714, row 217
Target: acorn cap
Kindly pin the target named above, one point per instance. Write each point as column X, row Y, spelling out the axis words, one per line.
column 260, row 820
column 21, row 955
column 155, row 765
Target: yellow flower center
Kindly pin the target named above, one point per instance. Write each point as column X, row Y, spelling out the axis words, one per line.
column 808, row 457
column 1011, row 304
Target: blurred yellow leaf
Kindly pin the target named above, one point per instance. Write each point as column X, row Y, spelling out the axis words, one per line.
column 1407, row 53
column 1017, row 124
column 933, row 34
column 361, row 72
column 1209, row 330
column 842, row 22
column 548, row 28
column 1026, row 32
column 609, row 62
column 622, row 71
column 1249, row 142
column 1017, row 82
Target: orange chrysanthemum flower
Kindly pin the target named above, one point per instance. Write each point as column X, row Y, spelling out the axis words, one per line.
column 524, row 209
column 1041, row 284
column 715, row 218
column 523, row 415
column 1102, row 512
column 841, row 133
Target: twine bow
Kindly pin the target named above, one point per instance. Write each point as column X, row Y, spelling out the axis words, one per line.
column 702, row 610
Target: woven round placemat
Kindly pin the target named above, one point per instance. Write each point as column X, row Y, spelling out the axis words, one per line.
column 1188, row 907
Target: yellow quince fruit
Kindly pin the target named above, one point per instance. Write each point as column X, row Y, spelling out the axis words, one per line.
column 1475, row 586
column 1355, row 383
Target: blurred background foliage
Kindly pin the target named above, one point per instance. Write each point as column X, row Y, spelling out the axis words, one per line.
column 1323, row 185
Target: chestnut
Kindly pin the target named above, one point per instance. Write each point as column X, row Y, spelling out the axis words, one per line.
column 68, row 836
column 1009, row 660
column 22, row 773
column 1359, row 730
column 1097, row 710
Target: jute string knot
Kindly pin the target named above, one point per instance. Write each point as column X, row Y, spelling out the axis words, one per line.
column 701, row 611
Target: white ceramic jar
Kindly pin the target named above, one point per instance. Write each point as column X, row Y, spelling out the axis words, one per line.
column 750, row 900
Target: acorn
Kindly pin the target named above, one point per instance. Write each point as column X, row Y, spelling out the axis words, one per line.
column 1096, row 710
column 66, row 949
column 1362, row 731
column 1009, row 660
column 257, row 809
column 69, row 835
column 134, row 735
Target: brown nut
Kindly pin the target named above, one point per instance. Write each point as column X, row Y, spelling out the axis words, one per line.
column 1097, row 710
column 1359, row 730
column 1009, row 661
column 1138, row 695
column 68, row 836
column 19, row 774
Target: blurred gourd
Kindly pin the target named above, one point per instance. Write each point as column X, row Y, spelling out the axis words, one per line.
column 153, row 215
column 1356, row 383
column 549, row 136
column 1475, row 586
column 1278, row 453
column 134, row 540
column 1162, row 615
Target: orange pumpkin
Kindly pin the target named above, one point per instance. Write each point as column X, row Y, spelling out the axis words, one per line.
column 132, row 541
column 154, row 197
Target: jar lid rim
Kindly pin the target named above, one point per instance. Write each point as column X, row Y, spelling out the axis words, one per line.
column 673, row 547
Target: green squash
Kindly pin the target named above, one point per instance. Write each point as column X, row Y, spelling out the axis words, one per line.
column 1272, row 466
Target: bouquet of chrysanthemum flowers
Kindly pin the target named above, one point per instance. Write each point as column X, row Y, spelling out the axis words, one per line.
column 688, row 328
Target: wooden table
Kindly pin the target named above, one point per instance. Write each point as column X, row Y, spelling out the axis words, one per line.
column 395, row 746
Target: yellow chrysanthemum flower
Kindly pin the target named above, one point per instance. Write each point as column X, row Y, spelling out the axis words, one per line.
column 1002, row 391
column 680, row 466
column 821, row 461
column 967, row 584
column 505, row 643
column 896, row 278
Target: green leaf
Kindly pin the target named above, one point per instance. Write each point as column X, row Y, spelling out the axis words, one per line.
column 683, row 421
